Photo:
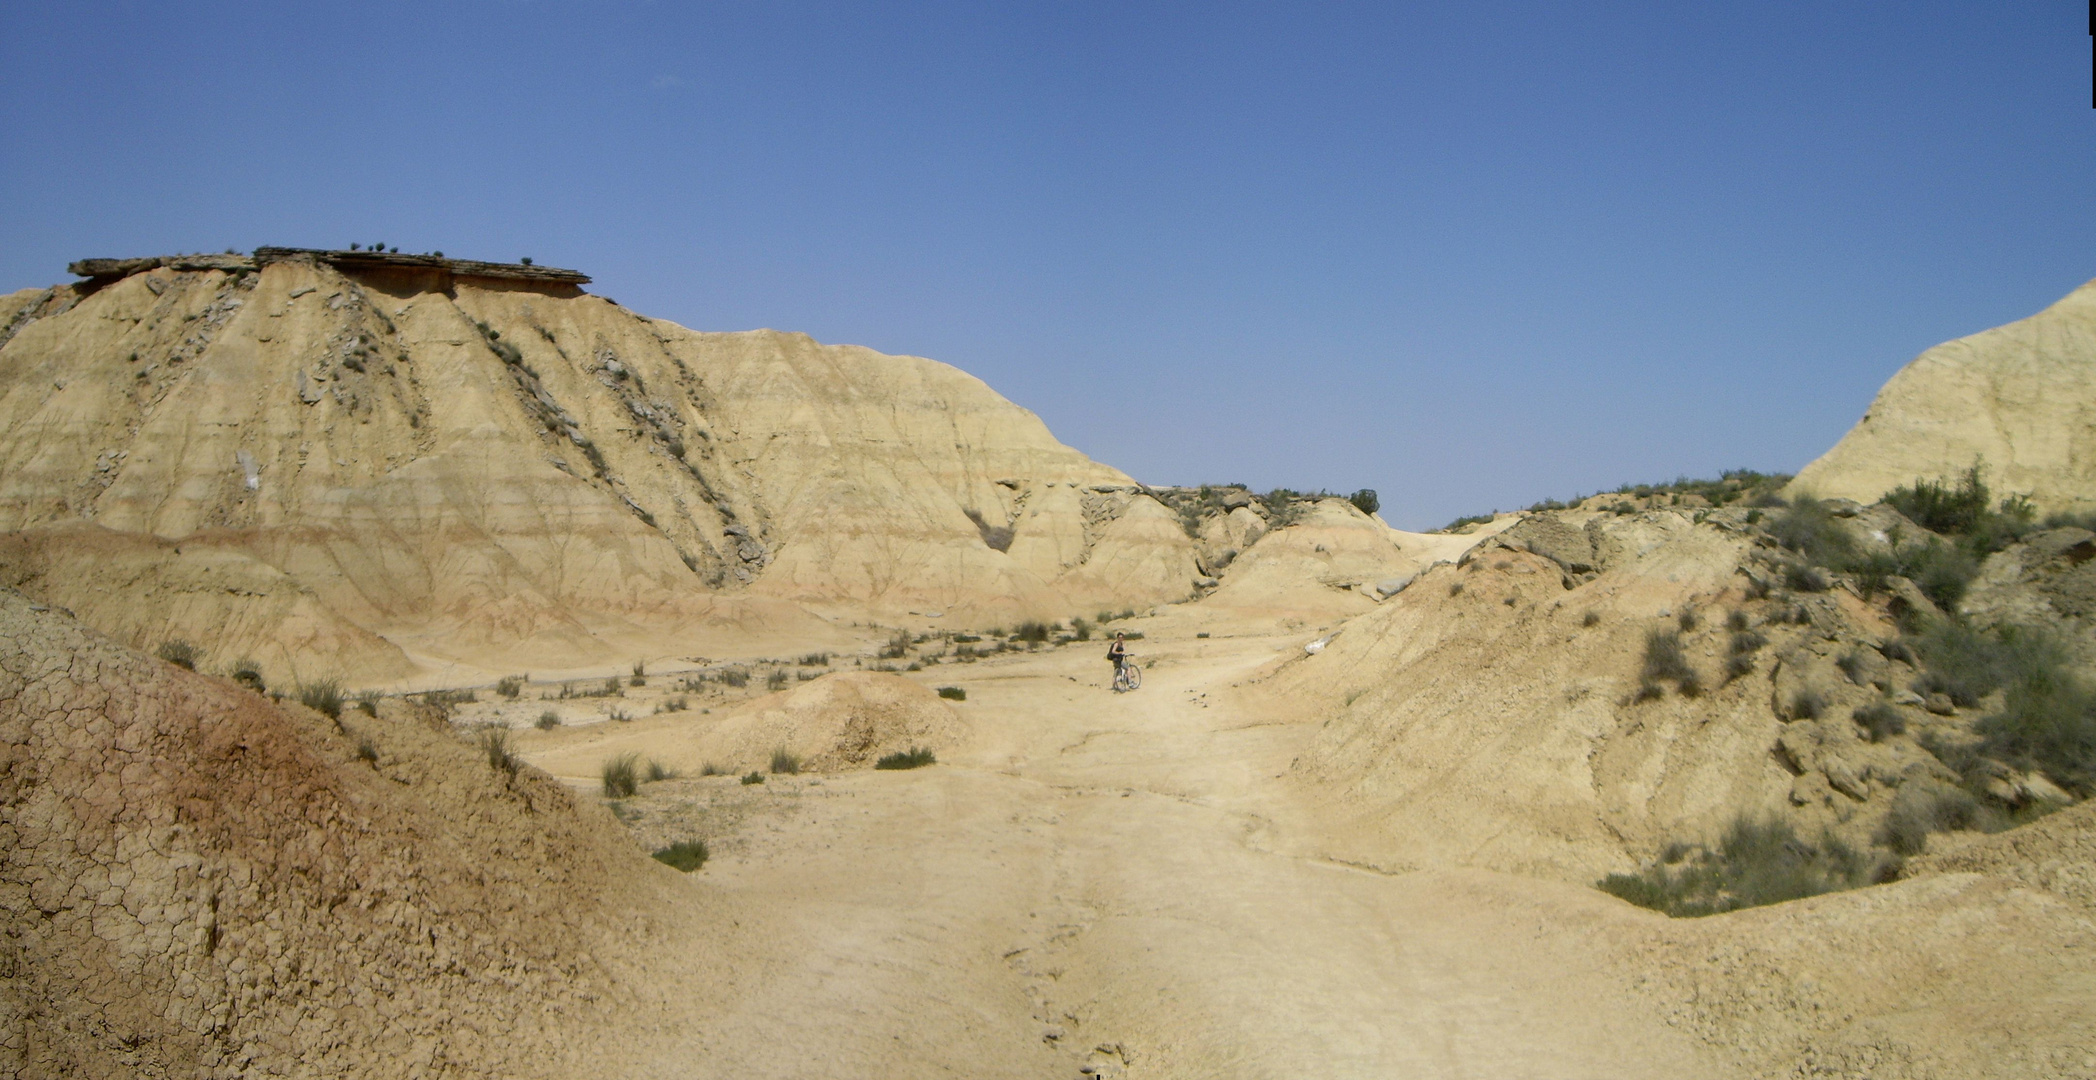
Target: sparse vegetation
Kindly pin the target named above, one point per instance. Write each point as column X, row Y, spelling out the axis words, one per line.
column 735, row 677
column 953, row 693
column 367, row 701
column 618, row 714
column 248, row 673
column 1758, row 861
column 785, row 762
column 674, row 704
column 510, row 686
column 752, row 777
column 494, row 742
column 898, row 646
column 1591, row 618
column 640, row 673
column 915, row 757
column 367, row 751
column 684, row 855
column 179, row 653
column 621, row 776
column 612, row 687
column 658, row 771
column 1081, row 629
column 712, row 769
column 1032, row 631
column 778, row 679
column 1807, row 705
column 323, row 697
column 1664, row 658
column 815, row 659
column 1928, row 807
column 1879, row 720
column 548, row 720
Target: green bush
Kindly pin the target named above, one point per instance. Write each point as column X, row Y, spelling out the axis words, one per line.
column 1961, row 662
column 2048, row 718
column 915, row 757
column 1365, row 500
column 752, row 778
column 784, row 761
column 621, row 776
column 323, row 697
column 1941, row 506
column 1758, row 861
column 548, row 720
column 1807, row 705
column 685, row 855
column 1810, row 529
column 510, row 686
column 179, row 653
column 1031, row 630
column 953, row 693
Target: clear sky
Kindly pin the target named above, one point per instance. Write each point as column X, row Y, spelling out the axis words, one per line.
column 1470, row 255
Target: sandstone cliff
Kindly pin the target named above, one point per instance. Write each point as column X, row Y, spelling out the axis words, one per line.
column 2020, row 399
column 368, row 468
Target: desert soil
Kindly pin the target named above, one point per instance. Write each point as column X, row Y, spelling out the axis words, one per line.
column 1116, row 885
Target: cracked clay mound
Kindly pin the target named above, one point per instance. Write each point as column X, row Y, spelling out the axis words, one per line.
column 2020, row 399
column 371, row 472
column 196, row 882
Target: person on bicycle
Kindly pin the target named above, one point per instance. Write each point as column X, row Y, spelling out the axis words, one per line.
column 1118, row 652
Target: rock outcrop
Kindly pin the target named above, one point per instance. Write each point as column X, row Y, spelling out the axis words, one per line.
column 408, row 461
column 2018, row 399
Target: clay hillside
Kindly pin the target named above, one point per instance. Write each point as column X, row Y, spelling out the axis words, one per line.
column 2020, row 399
column 370, row 466
column 367, row 621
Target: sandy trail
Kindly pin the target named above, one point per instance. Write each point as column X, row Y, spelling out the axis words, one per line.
column 1124, row 884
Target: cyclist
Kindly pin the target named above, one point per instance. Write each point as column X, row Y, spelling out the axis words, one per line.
column 1118, row 653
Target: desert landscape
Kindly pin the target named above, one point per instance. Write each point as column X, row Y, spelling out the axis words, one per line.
column 421, row 667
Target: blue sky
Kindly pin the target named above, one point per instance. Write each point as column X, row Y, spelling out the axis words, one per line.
column 1470, row 255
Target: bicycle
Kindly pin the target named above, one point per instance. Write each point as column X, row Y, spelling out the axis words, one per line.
column 1127, row 677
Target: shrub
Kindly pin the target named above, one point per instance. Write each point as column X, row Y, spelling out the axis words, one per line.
column 640, row 673
column 815, row 659
column 1081, row 629
column 1924, row 808
column 612, row 688
column 1879, row 720
column 510, row 686
column 1940, row 506
column 1591, row 618
column 2048, row 718
column 616, row 713
column 1807, row 705
column 953, row 693
column 179, row 653
column 898, row 646
column 1365, row 501
column 1649, row 690
column 1810, row 529
column 915, row 757
column 323, row 697
column 658, row 771
column 784, row 761
column 1960, row 662
column 1804, row 577
column 685, row 855
column 367, row 700
column 752, row 778
column 712, row 769
column 548, row 720
column 735, row 677
column 367, row 751
column 1690, row 685
column 1758, row 861
column 777, row 680
column 248, row 673
column 1664, row 658
column 621, row 775
column 1686, row 619
column 1739, row 665
column 495, row 743
column 1474, row 519
column 1736, row 620
column 679, row 703
column 1031, row 631
column 1455, row 588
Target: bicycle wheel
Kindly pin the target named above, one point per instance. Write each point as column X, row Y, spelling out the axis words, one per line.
column 1133, row 677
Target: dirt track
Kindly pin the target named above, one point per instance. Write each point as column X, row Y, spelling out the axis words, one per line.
column 1125, row 883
